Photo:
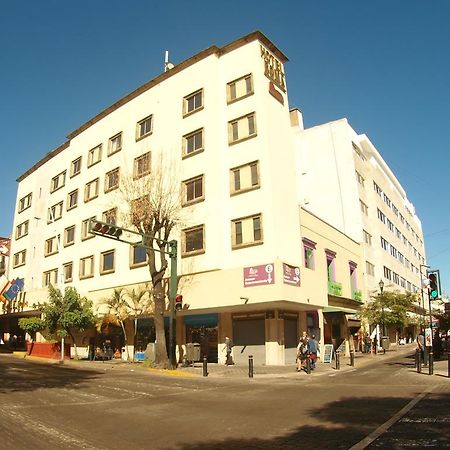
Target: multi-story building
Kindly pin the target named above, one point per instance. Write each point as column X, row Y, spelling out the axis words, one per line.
column 257, row 261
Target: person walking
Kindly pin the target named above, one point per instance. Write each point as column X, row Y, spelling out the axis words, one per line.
column 229, row 347
column 302, row 353
column 312, row 346
column 367, row 343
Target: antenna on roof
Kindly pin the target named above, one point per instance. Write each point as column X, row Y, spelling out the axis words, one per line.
column 167, row 64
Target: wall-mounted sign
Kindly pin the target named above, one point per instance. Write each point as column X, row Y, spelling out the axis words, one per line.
column 291, row 275
column 259, row 275
column 273, row 69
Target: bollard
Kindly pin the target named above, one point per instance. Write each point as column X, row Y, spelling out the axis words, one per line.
column 250, row 366
column 416, row 358
column 338, row 362
column 308, row 365
column 419, row 361
column 205, row 366
column 430, row 362
column 352, row 358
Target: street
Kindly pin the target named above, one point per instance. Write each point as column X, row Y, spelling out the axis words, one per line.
column 48, row 406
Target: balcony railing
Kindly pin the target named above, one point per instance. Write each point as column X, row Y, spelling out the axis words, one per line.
column 335, row 288
column 357, row 295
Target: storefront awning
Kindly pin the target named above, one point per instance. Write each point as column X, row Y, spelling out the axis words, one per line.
column 337, row 309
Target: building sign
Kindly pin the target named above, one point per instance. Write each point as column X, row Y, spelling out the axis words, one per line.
column 291, row 275
column 273, row 69
column 259, row 275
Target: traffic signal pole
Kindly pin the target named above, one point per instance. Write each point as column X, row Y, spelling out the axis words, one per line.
column 172, row 293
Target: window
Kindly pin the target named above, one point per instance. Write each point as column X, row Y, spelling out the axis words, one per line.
column 367, row 237
column 55, row 212
column 138, row 256
column 193, row 102
column 360, row 178
column 240, row 88
column 75, row 167
column 115, row 144
column 25, row 202
column 91, row 190
column 244, row 178
column 68, row 272
column 402, row 282
column 331, row 271
column 395, row 278
column 112, row 180
column 144, row 127
column 309, row 248
column 142, row 165
column 107, row 262
column 50, row 277
column 384, row 244
column 393, row 251
column 85, row 230
column 381, row 216
column 395, row 209
column 370, row 269
column 364, row 208
column 58, row 182
column 241, row 128
column 22, row 229
column 353, row 277
column 69, row 236
column 87, row 267
column 110, row 216
column 387, row 200
column 400, row 257
column 402, row 219
column 95, row 155
column 390, row 225
column 193, row 143
column 193, row 241
column 377, row 189
column 387, row 273
column 19, row 258
column 246, row 231
column 193, row 190
column 72, row 199
column 51, row 246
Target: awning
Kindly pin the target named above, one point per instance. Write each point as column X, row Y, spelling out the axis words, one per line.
column 337, row 309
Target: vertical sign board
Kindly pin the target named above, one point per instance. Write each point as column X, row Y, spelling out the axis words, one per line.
column 327, row 353
column 259, row 275
column 291, row 275
column 428, row 337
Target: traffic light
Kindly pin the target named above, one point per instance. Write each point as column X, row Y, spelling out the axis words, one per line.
column 178, row 302
column 435, row 284
column 104, row 229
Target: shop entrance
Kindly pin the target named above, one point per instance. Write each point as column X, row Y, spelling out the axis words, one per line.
column 207, row 337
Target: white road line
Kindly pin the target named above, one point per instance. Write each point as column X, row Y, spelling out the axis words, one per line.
column 361, row 445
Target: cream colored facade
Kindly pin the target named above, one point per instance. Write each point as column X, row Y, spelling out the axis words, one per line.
column 221, row 121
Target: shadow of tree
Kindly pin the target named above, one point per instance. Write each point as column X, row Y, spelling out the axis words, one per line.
column 25, row 375
column 344, row 423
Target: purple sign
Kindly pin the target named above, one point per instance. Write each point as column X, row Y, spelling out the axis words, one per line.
column 291, row 275
column 259, row 275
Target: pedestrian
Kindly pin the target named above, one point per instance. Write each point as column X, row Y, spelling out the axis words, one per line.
column 420, row 340
column 228, row 347
column 302, row 352
column 313, row 347
column 367, row 343
column 437, row 345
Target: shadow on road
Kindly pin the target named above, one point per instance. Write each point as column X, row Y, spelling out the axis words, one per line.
column 345, row 423
column 18, row 375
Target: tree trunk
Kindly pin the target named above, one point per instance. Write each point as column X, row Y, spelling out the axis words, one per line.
column 161, row 359
column 126, row 340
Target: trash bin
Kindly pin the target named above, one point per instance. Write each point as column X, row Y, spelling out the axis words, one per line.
column 385, row 343
column 193, row 351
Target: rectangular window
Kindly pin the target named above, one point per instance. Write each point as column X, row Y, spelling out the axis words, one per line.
column 25, row 202
column 142, row 165
column 364, row 208
column 309, row 248
column 107, row 262
column 244, row 178
column 400, row 257
column 370, row 269
column 112, row 179
column 144, row 127
column 246, row 231
column 331, row 272
column 54, row 212
column 50, row 277
column 193, row 241
column 85, row 229
column 395, row 209
column 115, row 144
column 87, row 267
column 193, row 102
column 68, row 272
column 367, row 237
column 91, row 190
column 72, row 199
column 51, row 246
column 22, row 229
column 242, row 128
column 384, row 244
column 353, row 277
column 390, row 225
column 138, row 256
column 75, row 167
column 19, row 258
column 110, row 216
column 193, row 143
column 393, row 251
column 94, row 155
column 395, row 278
column 381, row 216
column 386, row 200
column 360, row 178
column 193, row 190
column 58, row 182
column 69, row 236
column 240, row 88
column 402, row 282
column 387, row 273
column 377, row 189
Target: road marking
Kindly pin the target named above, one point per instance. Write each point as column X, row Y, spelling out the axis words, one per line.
column 361, row 445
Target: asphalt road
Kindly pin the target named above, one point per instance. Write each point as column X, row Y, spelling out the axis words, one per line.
column 47, row 406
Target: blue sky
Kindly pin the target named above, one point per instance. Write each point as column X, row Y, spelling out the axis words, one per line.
column 382, row 64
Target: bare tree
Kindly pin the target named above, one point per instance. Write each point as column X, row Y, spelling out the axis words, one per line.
column 153, row 205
